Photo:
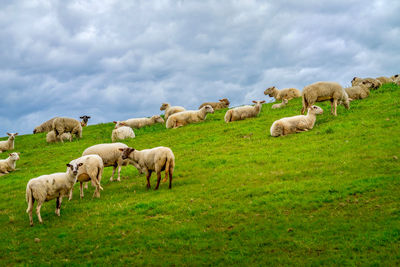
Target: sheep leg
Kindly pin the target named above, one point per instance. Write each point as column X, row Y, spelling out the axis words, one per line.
column 30, row 208
column 39, row 205
column 58, row 206
column 112, row 175
column 148, row 179
column 86, row 186
column 158, row 180
column 171, row 170
column 119, row 173
column 81, row 189
column 335, row 106
column 70, row 193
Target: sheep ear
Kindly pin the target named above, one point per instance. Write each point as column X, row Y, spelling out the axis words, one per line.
column 88, row 117
column 10, row 154
column 81, row 117
column 69, row 165
column 115, row 122
column 254, row 102
column 16, row 134
column 262, row 101
column 121, row 149
column 8, row 134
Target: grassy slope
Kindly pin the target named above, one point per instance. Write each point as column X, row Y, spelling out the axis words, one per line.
column 239, row 196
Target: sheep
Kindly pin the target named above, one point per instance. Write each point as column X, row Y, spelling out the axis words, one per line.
column 46, row 126
column 62, row 124
column 280, row 105
column 121, row 133
column 396, row 79
column 223, row 103
column 243, row 112
column 296, row 124
column 170, row 110
column 9, row 143
column 84, row 120
column 48, row 187
column 371, row 83
column 140, row 122
column 189, row 116
column 92, row 169
column 360, row 91
column 51, row 137
column 157, row 159
column 322, row 91
column 288, row 93
column 384, row 79
column 8, row 165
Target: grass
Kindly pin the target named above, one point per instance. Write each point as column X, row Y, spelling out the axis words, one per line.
column 329, row 196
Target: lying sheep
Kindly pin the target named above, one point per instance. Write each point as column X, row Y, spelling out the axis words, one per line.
column 157, row 159
column 384, row 79
column 9, row 143
column 62, row 125
column 47, row 187
column 122, row 133
column 46, row 126
column 296, row 124
column 84, row 120
column 280, row 105
column 396, row 79
column 244, row 112
column 288, row 93
column 189, row 116
column 91, row 170
column 170, row 110
column 371, row 83
column 322, row 91
column 223, row 103
column 140, row 122
column 8, row 165
column 52, row 138
column 360, row 91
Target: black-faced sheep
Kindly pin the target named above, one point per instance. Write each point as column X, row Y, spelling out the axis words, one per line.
column 84, row 120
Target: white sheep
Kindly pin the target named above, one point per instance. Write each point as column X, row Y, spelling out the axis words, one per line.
column 384, row 79
column 9, row 143
column 139, row 122
column 91, row 170
column 396, row 79
column 280, row 105
column 360, row 91
column 296, row 124
column 189, row 116
column 169, row 110
column 52, row 138
column 121, row 133
column 8, row 165
column 157, row 159
column 371, row 83
column 244, row 112
column 323, row 91
column 62, row 124
column 223, row 103
column 46, row 126
column 287, row 93
column 47, row 187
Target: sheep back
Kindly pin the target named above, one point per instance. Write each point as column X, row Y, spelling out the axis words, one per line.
column 46, row 126
column 121, row 133
column 109, row 153
column 62, row 124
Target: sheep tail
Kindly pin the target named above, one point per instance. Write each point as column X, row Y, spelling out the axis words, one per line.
column 29, row 198
column 228, row 116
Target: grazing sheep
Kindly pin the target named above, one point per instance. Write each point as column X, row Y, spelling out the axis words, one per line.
column 189, row 116
column 223, row 103
column 371, row 83
column 84, row 120
column 296, row 124
column 157, row 159
column 51, row 137
column 360, row 91
column 322, row 91
column 280, row 105
column 46, row 126
column 244, row 112
column 8, row 144
column 62, row 124
column 384, row 79
column 170, row 110
column 121, row 133
column 288, row 93
column 47, row 187
column 140, row 122
column 91, row 170
column 8, row 165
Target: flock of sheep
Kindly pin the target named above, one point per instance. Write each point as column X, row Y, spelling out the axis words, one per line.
column 89, row 167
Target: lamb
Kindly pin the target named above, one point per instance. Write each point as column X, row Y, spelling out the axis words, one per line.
column 8, row 165
column 51, row 137
column 9, row 143
column 47, row 187
column 140, row 122
column 170, row 110
column 121, row 133
column 241, row 113
column 371, row 83
column 360, row 91
column 92, row 169
column 62, row 124
column 296, row 124
column 46, row 126
column 223, row 103
column 288, row 93
column 84, row 120
column 157, row 159
column 322, row 91
column 280, row 105
column 189, row 116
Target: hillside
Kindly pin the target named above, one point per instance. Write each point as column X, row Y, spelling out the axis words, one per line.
column 239, row 196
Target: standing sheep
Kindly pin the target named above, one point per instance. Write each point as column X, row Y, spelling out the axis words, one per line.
column 121, row 133
column 244, row 112
column 223, row 103
column 157, row 159
column 46, row 126
column 140, row 122
column 322, row 91
column 189, row 116
column 288, row 93
column 84, row 120
column 52, row 138
column 170, row 110
column 280, row 105
column 8, row 144
column 62, row 124
column 8, row 165
column 48, row 187
column 296, row 124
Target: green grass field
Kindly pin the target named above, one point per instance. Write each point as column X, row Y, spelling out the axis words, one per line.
column 330, row 196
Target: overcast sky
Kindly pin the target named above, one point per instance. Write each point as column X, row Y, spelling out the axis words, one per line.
column 115, row 60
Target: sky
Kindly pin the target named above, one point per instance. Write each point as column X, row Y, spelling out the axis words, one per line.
column 115, row 60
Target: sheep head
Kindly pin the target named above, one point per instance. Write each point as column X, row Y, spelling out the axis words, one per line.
column 14, row 155
column 73, row 167
column 126, row 152
column 208, row 109
column 258, row 102
column 157, row 118
column 225, row 101
column 315, row 110
column 164, row 106
column 270, row 91
column 12, row 135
